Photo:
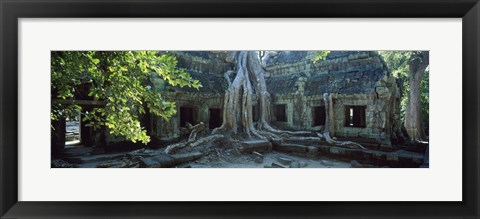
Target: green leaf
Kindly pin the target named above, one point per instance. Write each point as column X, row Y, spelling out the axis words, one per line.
column 121, row 78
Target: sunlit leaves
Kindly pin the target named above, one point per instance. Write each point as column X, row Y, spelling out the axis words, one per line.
column 425, row 96
column 398, row 63
column 320, row 56
column 174, row 76
column 122, row 80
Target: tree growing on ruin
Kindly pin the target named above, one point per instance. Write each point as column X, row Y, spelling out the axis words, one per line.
column 419, row 62
column 120, row 81
column 246, row 86
column 244, row 81
column 412, row 70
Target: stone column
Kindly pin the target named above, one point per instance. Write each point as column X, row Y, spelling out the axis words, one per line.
column 300, row 104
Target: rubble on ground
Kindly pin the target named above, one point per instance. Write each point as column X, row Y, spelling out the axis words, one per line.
column 243, row 153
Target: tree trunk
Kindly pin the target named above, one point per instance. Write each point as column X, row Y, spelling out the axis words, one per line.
column 249, row 80
column 237, row 111
column 328, row 100
column 413, row 114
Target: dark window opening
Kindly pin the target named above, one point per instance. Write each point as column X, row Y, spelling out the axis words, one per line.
column 186, row 115
column 319, row 115
column 355, row 116
column 215, row 119
column 280, row 113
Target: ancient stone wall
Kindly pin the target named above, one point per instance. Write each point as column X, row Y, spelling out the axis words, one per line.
column 199, row 103
column 354, row 78
column 207, row 67
column 210, row 63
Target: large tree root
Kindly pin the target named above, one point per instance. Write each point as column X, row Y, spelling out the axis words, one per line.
column 195, row 129
column 326, row 134
column 303, row 140
column 249, row 78
column 331, row 141
column 267, row 127
column 193, row 143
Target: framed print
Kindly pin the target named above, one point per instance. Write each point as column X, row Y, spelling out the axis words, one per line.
column 239, row 109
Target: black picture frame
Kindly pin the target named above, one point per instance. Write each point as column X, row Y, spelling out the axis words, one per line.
column 12, row 10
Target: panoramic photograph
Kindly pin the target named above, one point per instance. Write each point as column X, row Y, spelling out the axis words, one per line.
column 239, row 109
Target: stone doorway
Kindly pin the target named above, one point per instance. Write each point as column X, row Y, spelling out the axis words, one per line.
column 186, row 115
column 215, row 119
column 319, row 115
column 72, row 130
column 280, row 112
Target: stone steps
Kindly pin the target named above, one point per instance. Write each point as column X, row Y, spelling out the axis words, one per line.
column 71, row 151
column 370, row 157
column 93, row 158
column 304, row 141
column 255, row 145
column 165, row 160
column 378, row 158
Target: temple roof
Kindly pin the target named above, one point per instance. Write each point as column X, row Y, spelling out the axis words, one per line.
column 211, row 84
column 347, row 72
column 288, row 57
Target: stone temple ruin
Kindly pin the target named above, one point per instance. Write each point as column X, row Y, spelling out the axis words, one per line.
column 365, row 100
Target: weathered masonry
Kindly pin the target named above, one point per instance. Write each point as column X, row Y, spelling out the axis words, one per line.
column 194, row 106
column 364, row 95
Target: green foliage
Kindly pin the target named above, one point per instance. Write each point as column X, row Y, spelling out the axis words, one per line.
column 321, row 55
column 425, row 97
column 121, row 80
column 398, row 63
